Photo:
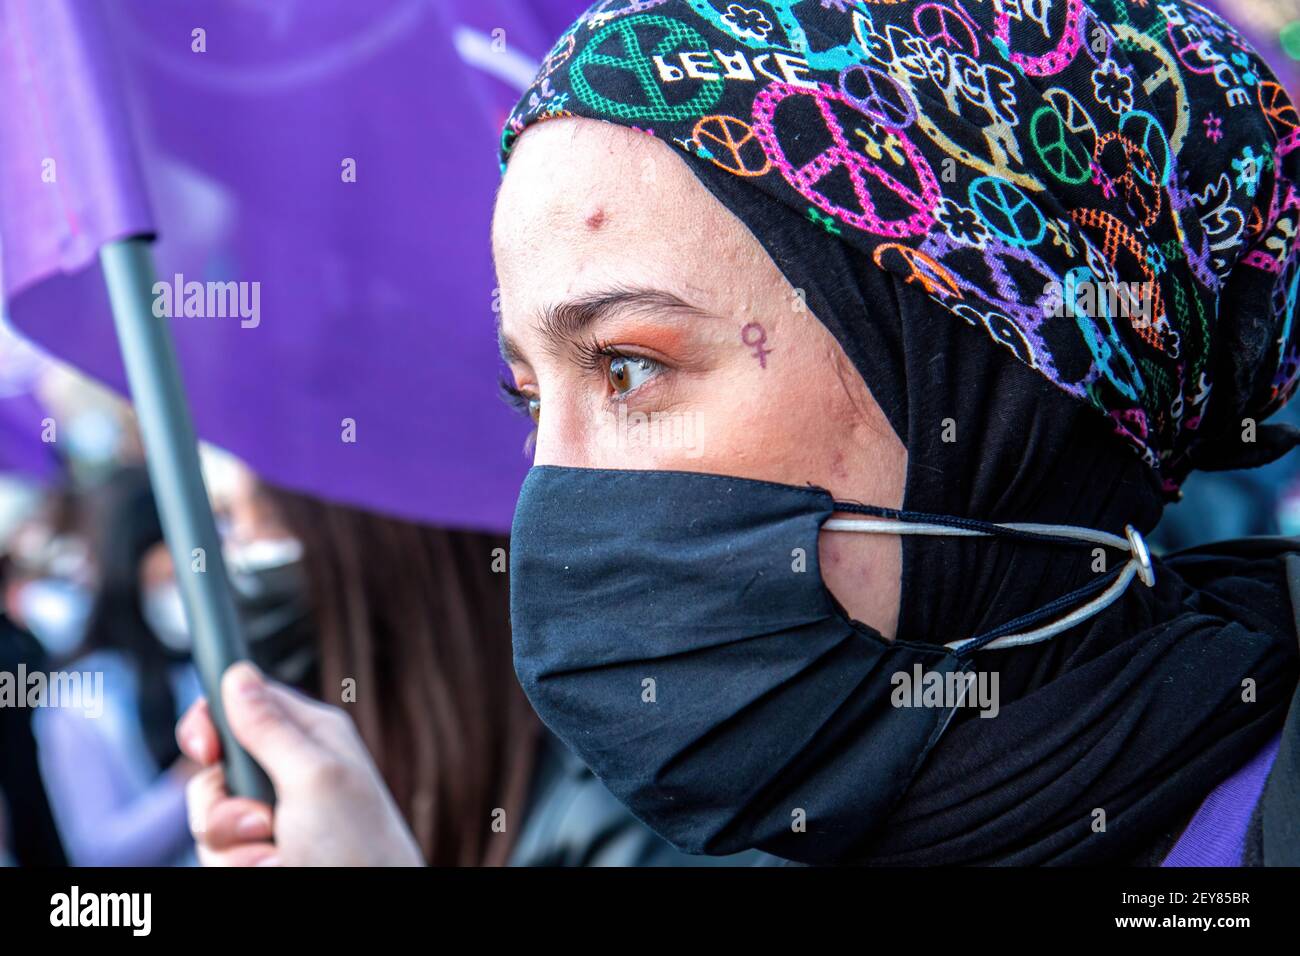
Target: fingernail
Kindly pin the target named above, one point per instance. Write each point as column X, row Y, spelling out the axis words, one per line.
column 271, row 860
column 194, row 745
column 247, row 683
column 252, row 826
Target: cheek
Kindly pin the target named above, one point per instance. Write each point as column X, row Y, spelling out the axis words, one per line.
column 864, row 572
column 783, row 417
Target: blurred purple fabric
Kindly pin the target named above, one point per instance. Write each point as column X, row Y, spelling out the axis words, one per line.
column 1216, row 835
column 376, row 296
column 24, row 451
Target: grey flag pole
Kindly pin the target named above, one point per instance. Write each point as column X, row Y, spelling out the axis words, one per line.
column 171, row 451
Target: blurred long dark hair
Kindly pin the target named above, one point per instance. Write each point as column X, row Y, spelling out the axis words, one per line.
column 418, row 618
column 122, row 526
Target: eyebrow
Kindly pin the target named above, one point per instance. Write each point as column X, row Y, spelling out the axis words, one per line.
column 564, row 322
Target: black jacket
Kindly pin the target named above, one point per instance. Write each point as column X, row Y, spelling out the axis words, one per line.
column 31, row 838
column 573, row 820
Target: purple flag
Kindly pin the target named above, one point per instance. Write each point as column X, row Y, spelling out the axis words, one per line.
column 27, row 433
column 321, row 177
column 67, row 174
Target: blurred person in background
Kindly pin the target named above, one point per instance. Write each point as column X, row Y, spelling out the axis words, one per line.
column 46, row 567
column 117, row 781
column 27, row 833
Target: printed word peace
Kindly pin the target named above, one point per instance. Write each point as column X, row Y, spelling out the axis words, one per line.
column 701, row 65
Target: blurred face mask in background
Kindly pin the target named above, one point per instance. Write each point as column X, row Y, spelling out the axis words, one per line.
column 165, row 614
column 270, row 594
column 55, row 610
column 269, row 584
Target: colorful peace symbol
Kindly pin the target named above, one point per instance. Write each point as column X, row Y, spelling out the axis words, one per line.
column 1281, row 115
column 1008, row 211
column 883, row 99
column 731, row 144
column 1116, row 237
column 840, row 155
column 1103, row 339
column 1140, row 178
column 1144, row 130
column 1056, row 59
column 945, row 27
column 673, row 36
column 1058, row 148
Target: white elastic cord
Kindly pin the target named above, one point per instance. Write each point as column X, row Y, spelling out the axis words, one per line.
column 1139, row 565
column 1080, row 614
column 890, row 526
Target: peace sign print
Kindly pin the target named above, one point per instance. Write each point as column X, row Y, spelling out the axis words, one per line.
column 945, row 27
column 980, row 150
column 731, row 144
column 1116, row 241
column 1109, row 355
column 1057, row 58
column 1165, row 73
column 558, row 56
column 1139, row 177
column 625, row 50
column 1281, row 115
column 879, row 96
column 1058, row 146
column 1008, row 211
column 1144, row 130
column 934, row 278
column 840, row 180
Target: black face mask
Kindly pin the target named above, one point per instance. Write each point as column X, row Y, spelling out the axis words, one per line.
column 674, row 630
column 270, row 591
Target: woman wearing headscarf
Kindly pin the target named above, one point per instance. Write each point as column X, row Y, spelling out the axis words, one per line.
column 865, row 342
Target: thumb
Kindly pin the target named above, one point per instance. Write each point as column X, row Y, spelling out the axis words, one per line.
column 274, row 733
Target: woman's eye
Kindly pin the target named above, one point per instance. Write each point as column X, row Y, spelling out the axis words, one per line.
column 626, row 372
column 529, row 405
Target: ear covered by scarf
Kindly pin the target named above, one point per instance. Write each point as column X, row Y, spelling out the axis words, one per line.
column 1106, row 191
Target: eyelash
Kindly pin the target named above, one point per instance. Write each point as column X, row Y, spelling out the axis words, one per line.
column 513, row 396
column 593, row 356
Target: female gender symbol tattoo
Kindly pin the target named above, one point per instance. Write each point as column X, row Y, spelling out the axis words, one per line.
column 755, row 336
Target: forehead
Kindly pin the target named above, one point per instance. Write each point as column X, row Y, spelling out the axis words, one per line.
column 585, row 203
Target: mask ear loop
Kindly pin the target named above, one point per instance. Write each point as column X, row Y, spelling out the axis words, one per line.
column 1111, row 586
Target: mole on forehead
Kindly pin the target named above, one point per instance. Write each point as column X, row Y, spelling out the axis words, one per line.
column 596, row 218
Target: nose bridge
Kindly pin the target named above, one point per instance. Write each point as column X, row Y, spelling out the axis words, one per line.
column 564, row 437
